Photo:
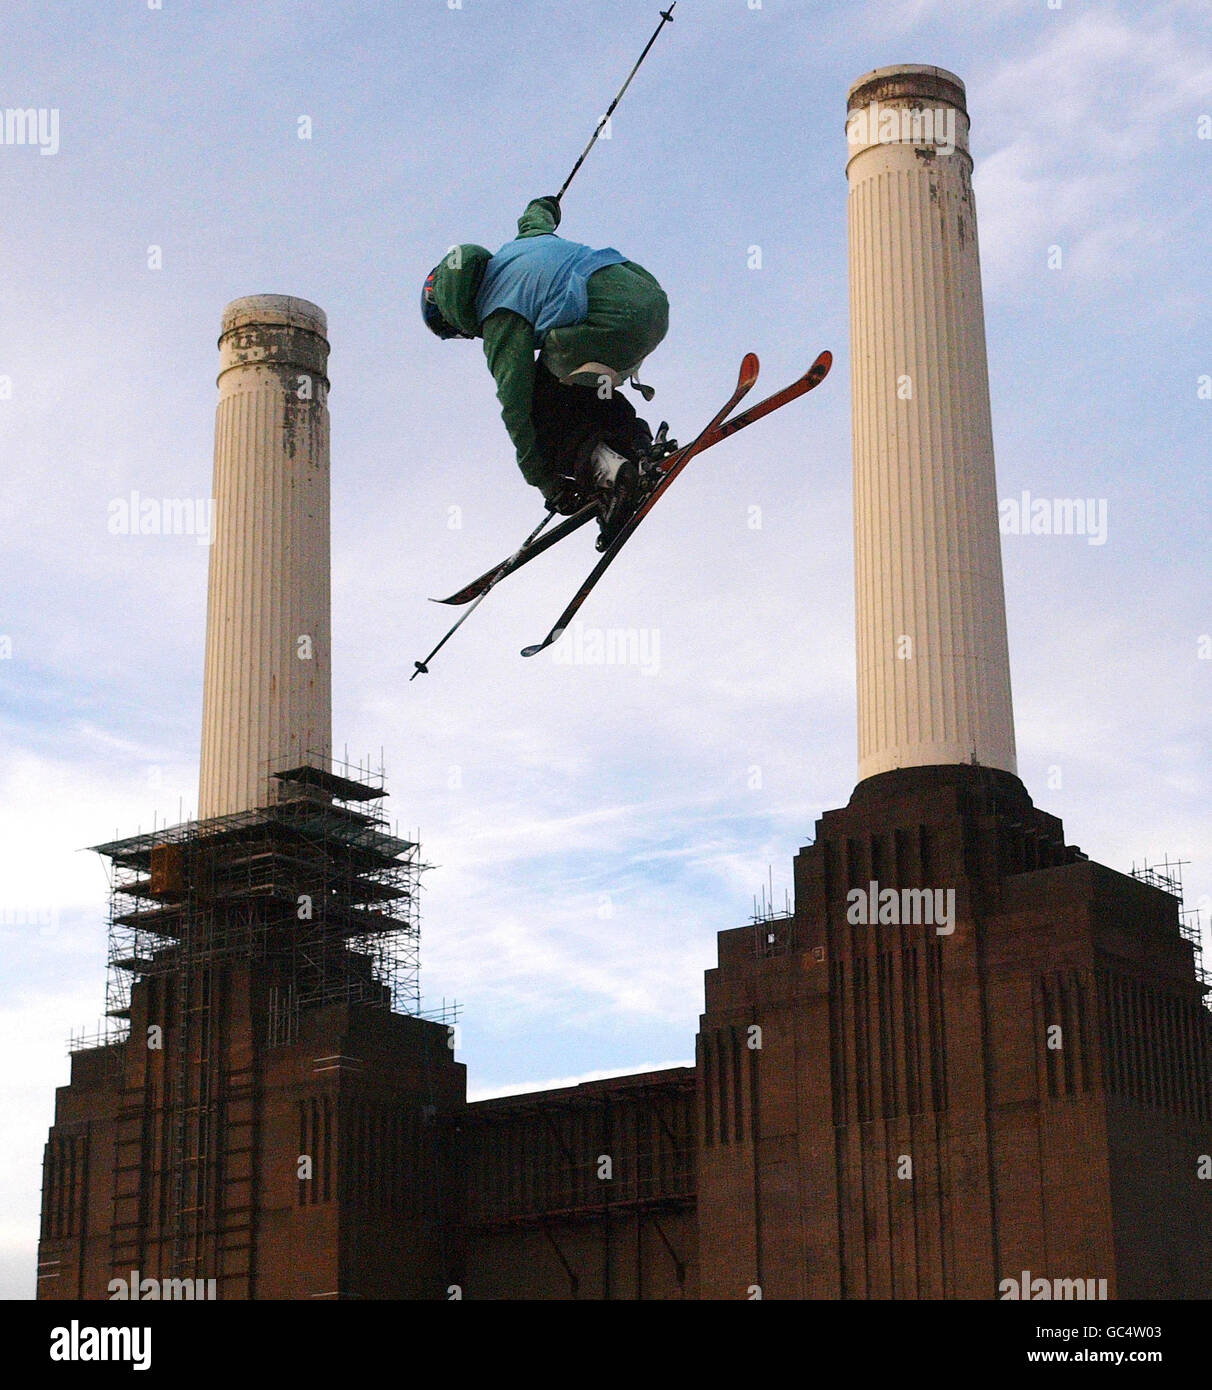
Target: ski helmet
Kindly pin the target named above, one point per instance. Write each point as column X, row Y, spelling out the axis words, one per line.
column 430, row 312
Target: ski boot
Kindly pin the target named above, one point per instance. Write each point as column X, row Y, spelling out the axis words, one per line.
column 650, row 453
column 615, row 483
column 621, row 479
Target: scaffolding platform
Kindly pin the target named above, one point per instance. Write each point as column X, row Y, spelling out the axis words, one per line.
column 314, row 881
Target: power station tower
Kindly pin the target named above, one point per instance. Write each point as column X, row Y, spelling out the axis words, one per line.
column 267, row 697
column 933, row 664
column 980, row 1053
column 262, row 1117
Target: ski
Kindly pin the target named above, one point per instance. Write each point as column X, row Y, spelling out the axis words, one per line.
column 799, row 387
column 422, row 667
column 673, row 466
column 714, row 432
column 490, row 578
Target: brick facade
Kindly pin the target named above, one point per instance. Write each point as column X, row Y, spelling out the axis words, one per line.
column 883, row 1110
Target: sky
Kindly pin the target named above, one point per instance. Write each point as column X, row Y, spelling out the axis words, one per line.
column 591, row 827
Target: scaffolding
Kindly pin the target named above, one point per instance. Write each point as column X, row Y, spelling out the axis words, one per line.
column 773, row 927
column 1168, row 876
column 315, row 891
column 313, row 883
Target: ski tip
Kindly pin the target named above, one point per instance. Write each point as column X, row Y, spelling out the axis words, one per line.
column 750, row 367
column 544, row 644
column 820, row 368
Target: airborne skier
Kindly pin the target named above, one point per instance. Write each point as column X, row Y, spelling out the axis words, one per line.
column 592, row 316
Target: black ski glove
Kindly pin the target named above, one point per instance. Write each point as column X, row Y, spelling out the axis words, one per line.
column 564, row 496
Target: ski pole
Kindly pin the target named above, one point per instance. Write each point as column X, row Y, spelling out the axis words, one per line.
column 666, row 18
column 423, row 666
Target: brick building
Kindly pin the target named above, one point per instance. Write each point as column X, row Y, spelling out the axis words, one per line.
column 778, row 1162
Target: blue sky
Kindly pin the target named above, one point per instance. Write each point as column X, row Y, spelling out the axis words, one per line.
column 593, row 826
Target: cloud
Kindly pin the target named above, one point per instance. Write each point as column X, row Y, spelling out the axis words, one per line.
column 1085, row 127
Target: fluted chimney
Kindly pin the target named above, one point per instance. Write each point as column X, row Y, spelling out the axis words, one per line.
column 267, row 701
column 933, row 666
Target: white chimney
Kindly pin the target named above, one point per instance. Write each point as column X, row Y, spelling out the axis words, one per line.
column 267, row 701
column 933, row 666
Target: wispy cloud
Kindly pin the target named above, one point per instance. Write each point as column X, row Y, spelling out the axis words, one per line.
column 1087, row 126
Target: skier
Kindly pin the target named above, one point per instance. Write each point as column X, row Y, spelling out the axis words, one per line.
column 592, row 317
